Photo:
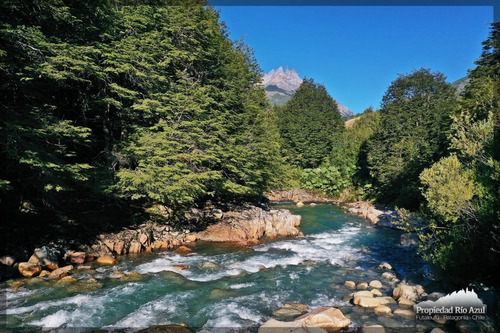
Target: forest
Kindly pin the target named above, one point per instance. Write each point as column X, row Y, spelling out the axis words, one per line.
column 109, row 107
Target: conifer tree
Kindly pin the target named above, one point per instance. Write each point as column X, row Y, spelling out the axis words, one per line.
column 414, row 124
column 308, row 123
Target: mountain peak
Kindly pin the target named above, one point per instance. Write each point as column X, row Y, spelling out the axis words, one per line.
column 281, row 84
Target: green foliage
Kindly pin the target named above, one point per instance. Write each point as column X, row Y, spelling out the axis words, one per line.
column 327, row 179
column 347, row 144
column 449, row 189
column 462, row 214
column 414, row 122
column 307, row 125
column 103, row 101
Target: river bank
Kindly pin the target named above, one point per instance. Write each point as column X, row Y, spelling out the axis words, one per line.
column 376, row 214
column 216, row 286
column 243, row 226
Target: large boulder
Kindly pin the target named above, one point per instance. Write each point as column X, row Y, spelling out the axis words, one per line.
column 363, row 286
column 119, row 247
column 210, row 265
column 328, row 318
column 29, row 269
column 45, row 257
column 385, row 266
column 407, row 291
column 386, row 300
column 160, row 245
column 276, row 326
column 252, row 224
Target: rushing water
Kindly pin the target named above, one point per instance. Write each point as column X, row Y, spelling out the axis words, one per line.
column 242, row 293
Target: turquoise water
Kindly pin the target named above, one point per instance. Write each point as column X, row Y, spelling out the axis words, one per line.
column 242, row 293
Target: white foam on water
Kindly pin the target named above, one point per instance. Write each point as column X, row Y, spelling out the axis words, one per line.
column 233, row 314
column 54, row 320
column 15, row 298
column 242, row 285
column 147, row 314
column 81, row 310
column 215, row 276
column 159, row 265
column 324, row 300
column 330, row 246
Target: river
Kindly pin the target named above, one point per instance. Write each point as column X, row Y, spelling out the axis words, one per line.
column 248, row 285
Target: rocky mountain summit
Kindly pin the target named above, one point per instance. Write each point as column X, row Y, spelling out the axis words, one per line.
column 281, row 84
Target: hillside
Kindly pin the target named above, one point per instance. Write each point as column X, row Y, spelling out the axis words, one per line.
column 460, row 84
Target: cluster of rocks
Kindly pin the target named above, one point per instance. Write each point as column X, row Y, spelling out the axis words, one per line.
column 44, row 263
column 403, row 295
column 250, row 225
column 297, row 195
column 378, row 216
column 245, row 226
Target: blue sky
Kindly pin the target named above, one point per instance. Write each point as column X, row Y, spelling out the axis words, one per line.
column 356, row 52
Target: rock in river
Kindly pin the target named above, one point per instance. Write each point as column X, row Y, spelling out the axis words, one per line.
column 299, row 306
column 407, row 291
column 372, row 329
column 183, row 250
column 375, row 284
column 286, row 313
column 45, row 257
column 60, row 272
column 209, row 264
column 350, row 284
column 106, row 260
column 382, row 310
column 252, row 224
column 165, row 329
column 328, row 318
column 276, row 326
column 29, row 269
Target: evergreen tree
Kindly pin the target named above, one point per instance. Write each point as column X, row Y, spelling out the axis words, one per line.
column 308, row 123
column 414, row 124
column 148, row 101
